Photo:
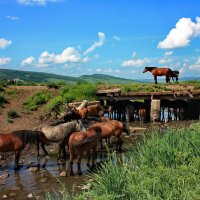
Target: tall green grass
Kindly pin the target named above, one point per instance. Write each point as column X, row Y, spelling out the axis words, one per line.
column 72, row 93
column 3, row 100
column 32, row 103
column 161, row 166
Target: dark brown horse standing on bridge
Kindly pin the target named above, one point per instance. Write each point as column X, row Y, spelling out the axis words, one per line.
column 159, row 72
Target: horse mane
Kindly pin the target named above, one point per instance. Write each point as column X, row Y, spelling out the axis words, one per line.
column 150, row 68
column 98, row 131
column 27, row 136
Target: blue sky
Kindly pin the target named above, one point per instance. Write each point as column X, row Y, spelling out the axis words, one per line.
column 114, row 37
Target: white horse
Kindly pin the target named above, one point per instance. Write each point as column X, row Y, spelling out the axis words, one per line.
column 60, row 134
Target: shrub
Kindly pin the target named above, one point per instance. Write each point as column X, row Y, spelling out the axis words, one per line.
column 53, row 85
column 32, row 103
column 11, row 114
column 54, row 104
column 2, row 100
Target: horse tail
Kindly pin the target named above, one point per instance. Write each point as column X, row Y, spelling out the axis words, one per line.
column 126, row 128
column 89, row 140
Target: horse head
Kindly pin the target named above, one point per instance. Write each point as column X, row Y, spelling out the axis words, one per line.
column 146, row 69
column 43, row 139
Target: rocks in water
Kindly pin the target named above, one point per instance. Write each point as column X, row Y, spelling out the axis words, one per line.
column 12, row 194
column 6, row 175
column 63, row 173
column 30, row 196
column 4, row 196
column 33, row 169
column 31, row 162
column 43, row 180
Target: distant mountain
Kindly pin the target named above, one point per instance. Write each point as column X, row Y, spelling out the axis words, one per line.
column 189, row 79
column 105, row 79
column 48, row 77
column 34, row 76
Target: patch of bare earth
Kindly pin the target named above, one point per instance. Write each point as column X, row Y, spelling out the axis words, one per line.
column 26, row 120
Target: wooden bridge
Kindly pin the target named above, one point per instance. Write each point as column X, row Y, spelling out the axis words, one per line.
column 153, row 99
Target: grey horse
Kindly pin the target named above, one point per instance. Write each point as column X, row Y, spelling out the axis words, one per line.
column 60, row 134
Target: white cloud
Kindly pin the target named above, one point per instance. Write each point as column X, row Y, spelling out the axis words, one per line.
column 116, row 38
column 84, row 60
column 165, row 58
column 68, row 55
column 98, row 70
column 35, row 2
column 101, row 41
column 135, row 62
column 5, row 61
column 12, row 17
column 164, row 61
column 168, row 53
column 182, row 70
column 182, row 34
column 28, row 61
column 4, row 43
column 195, row 66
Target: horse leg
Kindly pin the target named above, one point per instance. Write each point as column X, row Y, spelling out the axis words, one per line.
column 17, row 155
column 88, row 156
column 155, row 78
column 80, row 155
column 71, row 151
column 94, row 156
column 43, row 148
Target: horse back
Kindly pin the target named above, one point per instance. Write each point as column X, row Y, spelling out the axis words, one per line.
column 10, row 142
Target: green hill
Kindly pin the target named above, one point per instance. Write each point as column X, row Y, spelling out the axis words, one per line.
column 35, row 76
column 48, row 77
column 105, row 79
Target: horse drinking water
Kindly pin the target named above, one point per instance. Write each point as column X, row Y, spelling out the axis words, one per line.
column 83, row 141
column 59, row 133
column 17, row 140
column 159, row 72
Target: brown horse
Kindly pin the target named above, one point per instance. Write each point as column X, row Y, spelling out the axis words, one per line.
column 159, row 72
column 112, row 128
column 81, row 142
column 142, row 114
column 17, row 140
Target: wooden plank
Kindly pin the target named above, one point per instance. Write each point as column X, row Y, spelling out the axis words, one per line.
column 117, row 90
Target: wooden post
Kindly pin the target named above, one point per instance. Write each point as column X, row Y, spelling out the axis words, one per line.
column 155, row 110
column 148, row 109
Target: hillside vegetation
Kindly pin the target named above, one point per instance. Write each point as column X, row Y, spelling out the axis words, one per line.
column 47, row 77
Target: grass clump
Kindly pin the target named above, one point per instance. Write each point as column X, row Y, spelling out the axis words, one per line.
column 3, row 100
column 162, row 166
column 32, row 103
column 11, row 114
column 72, row 93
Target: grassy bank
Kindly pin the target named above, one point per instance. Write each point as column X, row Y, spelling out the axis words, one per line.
column 162, row 166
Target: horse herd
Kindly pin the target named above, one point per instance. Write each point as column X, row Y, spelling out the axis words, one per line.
column 80, row 130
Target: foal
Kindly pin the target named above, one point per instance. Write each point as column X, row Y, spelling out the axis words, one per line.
column 17, row 140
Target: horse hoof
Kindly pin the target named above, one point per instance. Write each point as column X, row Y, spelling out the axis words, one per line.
column 71, row 174
column 80, row 173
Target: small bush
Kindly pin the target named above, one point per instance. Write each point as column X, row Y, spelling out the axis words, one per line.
column 2, row 100
column 53, row 85
column 54, row 104
column 32, row 103
column 12, row 114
